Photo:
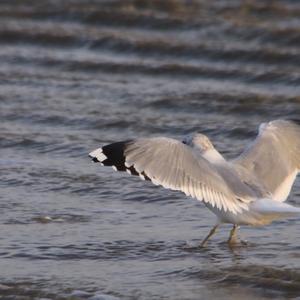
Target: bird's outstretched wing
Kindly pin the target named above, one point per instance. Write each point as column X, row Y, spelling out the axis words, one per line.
column 171, row 164
column 274, row 157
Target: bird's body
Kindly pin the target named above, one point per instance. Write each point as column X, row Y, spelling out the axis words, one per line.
column 249, row 190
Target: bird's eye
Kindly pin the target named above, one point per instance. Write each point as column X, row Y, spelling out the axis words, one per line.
column 184, row 142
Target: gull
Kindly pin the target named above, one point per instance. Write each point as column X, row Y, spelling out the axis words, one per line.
column 248, row 190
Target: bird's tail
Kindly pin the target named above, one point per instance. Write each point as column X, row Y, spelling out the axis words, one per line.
column 270, row 207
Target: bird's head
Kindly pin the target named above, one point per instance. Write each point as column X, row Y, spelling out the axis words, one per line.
column 199, row 141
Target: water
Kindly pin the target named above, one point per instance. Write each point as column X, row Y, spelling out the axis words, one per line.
column 76, row 74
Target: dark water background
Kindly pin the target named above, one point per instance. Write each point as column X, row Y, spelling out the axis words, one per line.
column 76, row 74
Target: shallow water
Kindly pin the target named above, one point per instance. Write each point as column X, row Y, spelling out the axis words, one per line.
column 76, row 74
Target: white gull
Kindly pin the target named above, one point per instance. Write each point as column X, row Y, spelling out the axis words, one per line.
column 248, row 190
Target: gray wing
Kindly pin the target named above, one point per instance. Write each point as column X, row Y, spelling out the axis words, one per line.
column 173, row 165
column 274, row 157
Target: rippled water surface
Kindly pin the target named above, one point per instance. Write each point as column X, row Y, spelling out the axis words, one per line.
column 76, row 74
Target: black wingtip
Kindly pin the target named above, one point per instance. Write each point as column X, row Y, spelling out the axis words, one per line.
column 94, row 159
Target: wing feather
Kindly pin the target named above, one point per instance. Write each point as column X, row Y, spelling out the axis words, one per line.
column 173, row 165
column 274, row 157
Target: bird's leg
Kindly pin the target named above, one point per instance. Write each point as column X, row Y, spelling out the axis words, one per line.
column 211, row 233
column 232, row 237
